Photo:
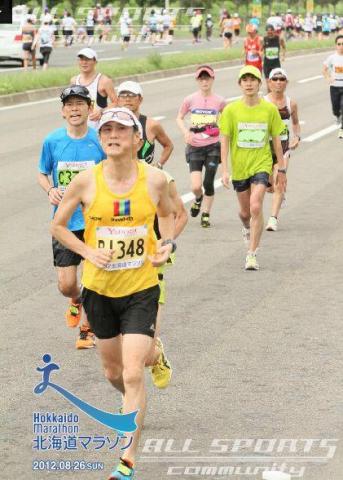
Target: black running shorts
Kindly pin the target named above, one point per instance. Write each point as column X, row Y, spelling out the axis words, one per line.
column 258, row 178
column 199, row 157
column 135, row 313
column 63, row 257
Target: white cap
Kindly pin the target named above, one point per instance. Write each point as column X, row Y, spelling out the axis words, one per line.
column 278, row 71
column 129, row 86
column 121, row 115
column 88, row 53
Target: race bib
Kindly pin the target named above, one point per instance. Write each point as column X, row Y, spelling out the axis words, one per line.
column 128, row 243
column 285, row 133
column 201, row 116
column 66, row 171
column 253, row 57
column 272, row 53
column 338, row 73
column 252, row 135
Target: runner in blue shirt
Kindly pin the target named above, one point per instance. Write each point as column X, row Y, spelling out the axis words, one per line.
column 67, row 151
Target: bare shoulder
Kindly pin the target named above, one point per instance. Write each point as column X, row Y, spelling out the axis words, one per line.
column 156, row 177
column 72, row 80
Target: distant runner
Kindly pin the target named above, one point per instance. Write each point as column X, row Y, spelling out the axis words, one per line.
column 333, row 72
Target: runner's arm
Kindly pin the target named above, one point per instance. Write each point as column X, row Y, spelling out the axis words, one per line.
column 180, row 213
column 281, row 178
column 73, row 196
column 110, row 92
column 295, row 125
column 163, row 140
column 283, row 49
column 326, row 72
column 181, row 124
column 54, row 194
column 224, row 156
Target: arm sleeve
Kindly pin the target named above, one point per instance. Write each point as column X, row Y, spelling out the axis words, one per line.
column 46, row 161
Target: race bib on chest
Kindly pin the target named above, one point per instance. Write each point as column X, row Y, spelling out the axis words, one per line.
column 129, row 245
column 252, row 135
column 272, row 53
column 203, row 116
column 338, row 73
column 285, row 133
column 252, row 56
column 66, row 171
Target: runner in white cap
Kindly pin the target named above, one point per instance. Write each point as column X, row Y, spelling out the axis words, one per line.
column 288, row 109
column 100, row 86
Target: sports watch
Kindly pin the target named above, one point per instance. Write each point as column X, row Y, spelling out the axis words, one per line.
column 169, row 241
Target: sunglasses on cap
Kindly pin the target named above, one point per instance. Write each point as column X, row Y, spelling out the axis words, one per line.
column 125, row 118
column 77, row 90
column 279, row 79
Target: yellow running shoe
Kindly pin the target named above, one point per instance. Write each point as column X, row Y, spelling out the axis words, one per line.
column 86, row 339
column 161, row 373
column 73, row 314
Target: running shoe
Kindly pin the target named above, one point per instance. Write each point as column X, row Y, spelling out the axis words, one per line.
column 73, row 314
column 161, row 373
column 272, row 224
column 340, row 133
column 86, row 339
column 195, row 208
column 205, row 220
column 251, row 262
column 246, row 235
column 122, row 472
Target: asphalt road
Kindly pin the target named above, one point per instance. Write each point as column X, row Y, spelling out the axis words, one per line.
column 255, row 355
column 62, row 57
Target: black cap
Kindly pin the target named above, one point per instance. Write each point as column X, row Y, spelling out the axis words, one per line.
column 76, row 91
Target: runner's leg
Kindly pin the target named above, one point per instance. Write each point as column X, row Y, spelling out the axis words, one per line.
column 256, row 210
column 111, row 357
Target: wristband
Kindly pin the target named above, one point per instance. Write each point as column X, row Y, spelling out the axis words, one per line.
column 159, row 165
column 299, row 138
column 282, row 170
column 170, row 242
column 50, row 189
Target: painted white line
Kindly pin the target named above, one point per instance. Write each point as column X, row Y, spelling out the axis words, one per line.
column 110, row 58
column 159, row 118
column 28, row 104
column 321, row 133
column 302, row 122
column 9, row 69
column 188, row 197
column 145, row 47
column 171, row 53
column 310, row 79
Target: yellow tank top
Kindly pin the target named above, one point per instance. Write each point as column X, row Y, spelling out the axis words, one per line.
column 124, row 223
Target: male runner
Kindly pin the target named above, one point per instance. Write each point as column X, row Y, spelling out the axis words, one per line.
column 333, row 72
column 288, row 110
column 202, row 140
column 130, row 95
column 100, row 86
column 246, row 126
column 120, row 198
column 273, row 47
column 67, row 151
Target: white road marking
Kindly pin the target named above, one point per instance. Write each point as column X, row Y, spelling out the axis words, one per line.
column 321, row 133
column 170, row 53
column 110, row 58
column 188, row 197
column 159, row 118
column 310, row 79
column 302, row 122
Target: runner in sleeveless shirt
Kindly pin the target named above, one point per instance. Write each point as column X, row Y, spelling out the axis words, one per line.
column 130, row 95
column 253, row 47
column 100, row 86
column 120, row 198
column 288, row 110
column 273, row 48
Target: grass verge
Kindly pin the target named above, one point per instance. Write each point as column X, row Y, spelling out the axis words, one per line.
column 54, row 77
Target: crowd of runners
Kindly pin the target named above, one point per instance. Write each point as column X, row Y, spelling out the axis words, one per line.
column 118, row 214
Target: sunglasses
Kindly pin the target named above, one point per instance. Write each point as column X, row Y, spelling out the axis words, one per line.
column 279, row 79
column 75, row 90
column 339, row 44
column 126, row 117
column 128, row 95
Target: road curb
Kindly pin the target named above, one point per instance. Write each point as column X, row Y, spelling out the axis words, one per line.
column 53, row 92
